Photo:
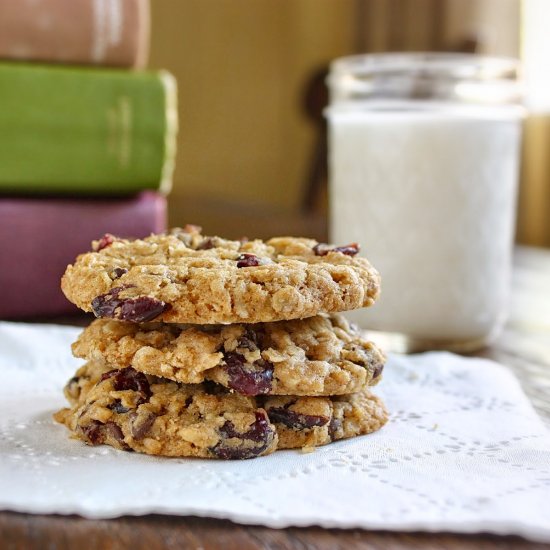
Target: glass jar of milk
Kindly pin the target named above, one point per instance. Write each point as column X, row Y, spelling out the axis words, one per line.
column 423, row 164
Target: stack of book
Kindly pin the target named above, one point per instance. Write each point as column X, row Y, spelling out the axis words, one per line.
column 87, row 140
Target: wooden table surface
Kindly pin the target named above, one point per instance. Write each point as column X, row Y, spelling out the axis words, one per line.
column 524, row 346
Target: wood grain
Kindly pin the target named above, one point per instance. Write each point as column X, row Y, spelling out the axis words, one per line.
column 24, row 532
column 524, row 346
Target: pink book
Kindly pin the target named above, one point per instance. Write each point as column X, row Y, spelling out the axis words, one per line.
column 39, row 237
column 98, row 32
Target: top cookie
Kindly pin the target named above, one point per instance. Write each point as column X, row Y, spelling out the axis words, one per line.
column 185, row 277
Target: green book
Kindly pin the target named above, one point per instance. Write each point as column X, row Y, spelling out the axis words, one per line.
column 81, row 130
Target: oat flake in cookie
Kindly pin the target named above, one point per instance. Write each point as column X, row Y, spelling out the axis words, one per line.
column 321, row 355
column 131, row 411
column 185, row 277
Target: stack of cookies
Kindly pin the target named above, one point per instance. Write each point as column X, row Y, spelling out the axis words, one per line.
column 215, row 348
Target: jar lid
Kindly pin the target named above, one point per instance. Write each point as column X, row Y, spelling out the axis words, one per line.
column 442, row 77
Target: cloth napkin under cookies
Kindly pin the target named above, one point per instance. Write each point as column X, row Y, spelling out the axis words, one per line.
column 463, row 451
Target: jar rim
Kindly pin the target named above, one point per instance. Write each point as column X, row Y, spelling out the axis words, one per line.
column 459, row 65
column 423, row 76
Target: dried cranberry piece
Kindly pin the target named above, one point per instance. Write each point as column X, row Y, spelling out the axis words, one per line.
column 118, row 272
column 294, row 420
column 323, row 249
column 255, row 433
column 129, row 379
column 105, row 305
column 248, row 260
column 104, row 242
column 139, row 310
column 246, row 378
column 349, row 249
column 259, row 432
column 109, row 374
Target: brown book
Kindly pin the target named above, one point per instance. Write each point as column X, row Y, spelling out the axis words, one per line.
column 98, row 32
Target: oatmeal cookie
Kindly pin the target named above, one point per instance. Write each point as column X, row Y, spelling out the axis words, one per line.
column 132, row 411
column 322, row 355
column 185, row 277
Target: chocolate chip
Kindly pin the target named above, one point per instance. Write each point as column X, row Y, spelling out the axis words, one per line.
column 118, row 272
column 211, row 388
column 142, row 423
column 118, row 407
column 249, row 340
column 93, row 432
column 97, row 433
column 115, row 432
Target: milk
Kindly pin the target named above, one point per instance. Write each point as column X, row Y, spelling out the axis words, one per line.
column 430, row 195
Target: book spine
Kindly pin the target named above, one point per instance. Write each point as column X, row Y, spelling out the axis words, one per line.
column 39, row 237
column 98, row 32
column 72, row 130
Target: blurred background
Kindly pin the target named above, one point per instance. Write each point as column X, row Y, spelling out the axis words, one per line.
column 88, row 123
column 251, row 157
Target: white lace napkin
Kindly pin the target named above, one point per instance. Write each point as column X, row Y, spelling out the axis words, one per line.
column 464, row 452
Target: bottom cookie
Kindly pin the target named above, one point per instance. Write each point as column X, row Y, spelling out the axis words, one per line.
column 131, row 411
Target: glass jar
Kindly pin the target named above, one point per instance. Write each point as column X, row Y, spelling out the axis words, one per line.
column 423, row 169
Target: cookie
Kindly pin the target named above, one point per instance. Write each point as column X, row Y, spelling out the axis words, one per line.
column 322, row 355
column 303, row 422
column 129, row 411
column 185, row 277
column 132, row 411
